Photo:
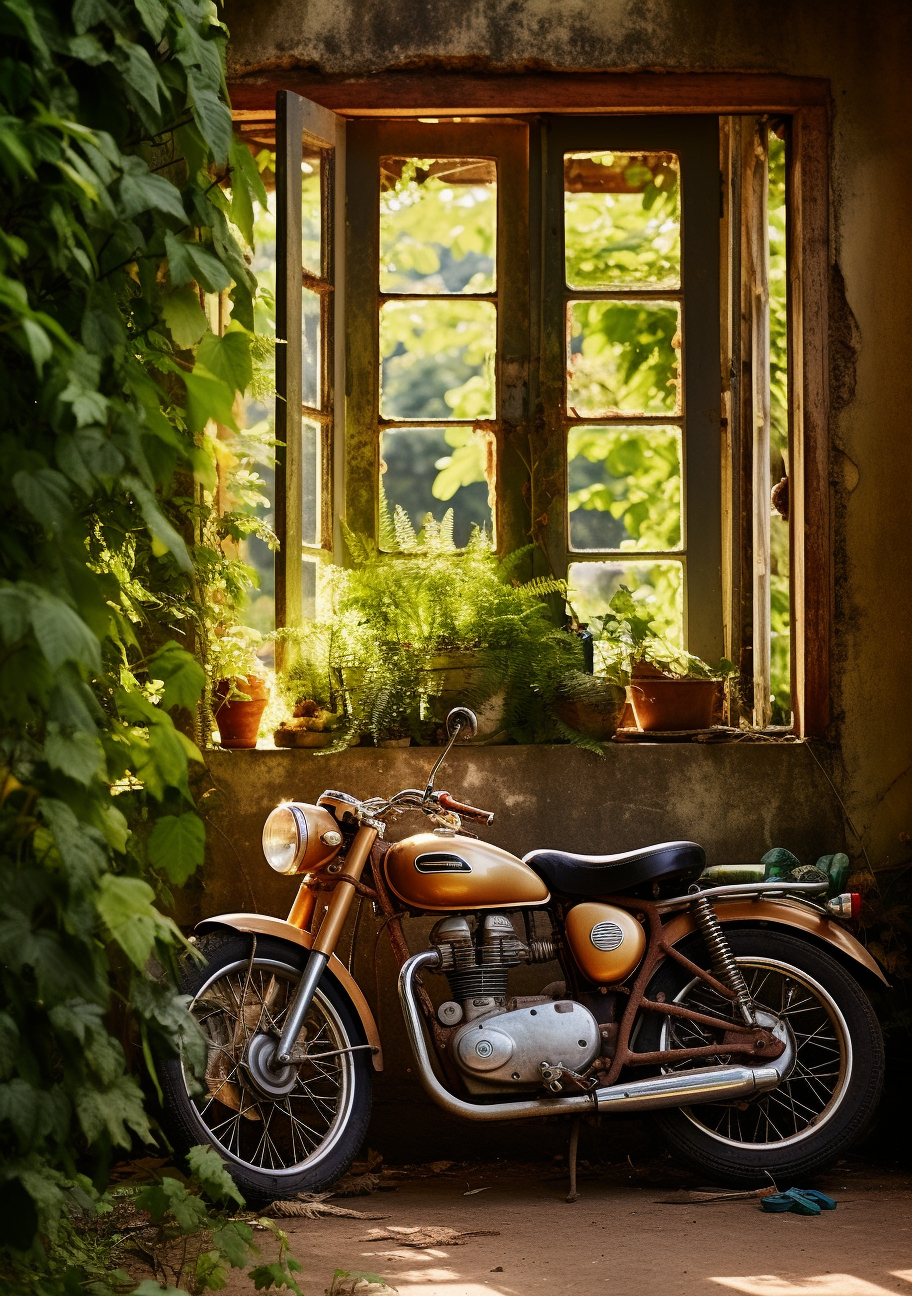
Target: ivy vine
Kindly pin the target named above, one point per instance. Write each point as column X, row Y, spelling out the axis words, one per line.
column 125, row 199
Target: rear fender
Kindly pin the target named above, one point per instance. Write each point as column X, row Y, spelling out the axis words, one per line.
column 783, row 913
column 263, row 925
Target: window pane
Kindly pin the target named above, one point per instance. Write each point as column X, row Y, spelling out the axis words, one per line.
column 437, row 359
column 622, row 219
column 310, row 214
column 623, row 357
column 780, row 621
column 310, row 348
column 431, row 470
column 438, row 221
column 624, row 487
column 657, row 585
column 309, row 588
column 310, row 483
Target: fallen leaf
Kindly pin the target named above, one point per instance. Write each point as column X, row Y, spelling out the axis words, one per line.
column 312, row 1206
column 473, row 1191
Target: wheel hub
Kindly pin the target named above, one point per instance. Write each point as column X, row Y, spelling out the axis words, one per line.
column 271, row 1081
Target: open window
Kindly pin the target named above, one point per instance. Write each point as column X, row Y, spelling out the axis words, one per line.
column 566, row 329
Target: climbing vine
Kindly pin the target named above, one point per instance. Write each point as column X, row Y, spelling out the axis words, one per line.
column 125, row 201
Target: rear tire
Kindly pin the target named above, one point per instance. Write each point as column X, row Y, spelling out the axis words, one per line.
column 302, row 1141
column 830, row 1096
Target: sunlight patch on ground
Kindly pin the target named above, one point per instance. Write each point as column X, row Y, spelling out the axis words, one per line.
column 819, row 1285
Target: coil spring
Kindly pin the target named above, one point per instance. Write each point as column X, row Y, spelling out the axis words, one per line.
column 720, row 955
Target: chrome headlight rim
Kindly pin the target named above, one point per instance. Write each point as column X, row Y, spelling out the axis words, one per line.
column 299, row 820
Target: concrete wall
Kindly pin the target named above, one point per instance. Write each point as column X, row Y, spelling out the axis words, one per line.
column 736, row 800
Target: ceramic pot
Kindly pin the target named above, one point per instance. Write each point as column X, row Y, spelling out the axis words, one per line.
column 661, row 703
column 596, row 717
column 448, row 677
column 239, row 721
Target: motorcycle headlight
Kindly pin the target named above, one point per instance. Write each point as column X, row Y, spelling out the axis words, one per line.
column 285, row 838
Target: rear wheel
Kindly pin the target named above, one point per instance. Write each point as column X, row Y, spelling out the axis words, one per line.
column 280, row 1132
column 835, row 1062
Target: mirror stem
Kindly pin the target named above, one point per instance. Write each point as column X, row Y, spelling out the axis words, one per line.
column 443, row 755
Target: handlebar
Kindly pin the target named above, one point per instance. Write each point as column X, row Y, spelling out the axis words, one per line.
column 446, row 802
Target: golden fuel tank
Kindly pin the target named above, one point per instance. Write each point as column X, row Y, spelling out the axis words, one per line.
column 443, row 871
column 607, row 942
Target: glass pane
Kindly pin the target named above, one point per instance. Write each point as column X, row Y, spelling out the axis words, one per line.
column 657, row 585
column 310, row 348
column 310, row 483
column 437, row 359
column 623, row 357
column 438, row 219
column 624, row 487
column 310, row 214
column 433, row 470
column 622, row 220
column 780, row 623
column 309, row 589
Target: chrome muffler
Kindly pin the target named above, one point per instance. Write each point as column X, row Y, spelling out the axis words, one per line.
column 677, row 1089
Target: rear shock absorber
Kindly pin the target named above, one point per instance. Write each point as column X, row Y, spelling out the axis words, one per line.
column 721, row 957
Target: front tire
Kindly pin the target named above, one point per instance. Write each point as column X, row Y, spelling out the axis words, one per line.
column 825, row 1103
column 299, row 1135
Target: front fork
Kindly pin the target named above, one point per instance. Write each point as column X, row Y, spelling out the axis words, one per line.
column 325, row 943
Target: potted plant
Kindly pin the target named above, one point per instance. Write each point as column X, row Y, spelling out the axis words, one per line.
column 241, row 689
column 668, row 689
column 311, row 691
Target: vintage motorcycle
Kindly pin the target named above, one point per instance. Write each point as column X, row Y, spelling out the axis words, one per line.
column 735, row 1013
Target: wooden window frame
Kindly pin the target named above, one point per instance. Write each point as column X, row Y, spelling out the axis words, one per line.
column 806, row 102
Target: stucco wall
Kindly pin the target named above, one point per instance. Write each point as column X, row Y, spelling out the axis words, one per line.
column 864, row 48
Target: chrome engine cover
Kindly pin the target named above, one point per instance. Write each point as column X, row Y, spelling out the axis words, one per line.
column 505, row 1050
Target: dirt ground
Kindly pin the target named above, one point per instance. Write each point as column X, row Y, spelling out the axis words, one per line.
column 618, row 1237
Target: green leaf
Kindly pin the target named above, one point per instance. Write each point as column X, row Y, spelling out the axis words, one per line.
column 189, row 261
column 213, row 117
column 77, row 755
column 208, row 398
column 184, row 316
column 153, row 15
column 234, row 1242
column 157, row 523
column 39, row 344
column 177, row 846
column 183, row 677
column 9, row 1045
column 171, row 1197
column 141, row 191
column 212, row 1176
column 62, row 634
column 228, row 358
column 45, row 493
column 113, row 1111
column 125, row 907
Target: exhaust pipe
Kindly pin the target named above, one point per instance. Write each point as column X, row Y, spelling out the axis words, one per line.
column 678, row 1089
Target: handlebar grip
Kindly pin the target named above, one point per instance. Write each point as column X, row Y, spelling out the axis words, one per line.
column 446, row 802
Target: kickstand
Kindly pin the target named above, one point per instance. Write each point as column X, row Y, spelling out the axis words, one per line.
column 573, row 1195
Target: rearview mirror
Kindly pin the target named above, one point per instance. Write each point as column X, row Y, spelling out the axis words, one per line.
column 463, row 722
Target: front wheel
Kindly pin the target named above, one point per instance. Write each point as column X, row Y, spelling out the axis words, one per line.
column 835, row 1063
column 294, row 1130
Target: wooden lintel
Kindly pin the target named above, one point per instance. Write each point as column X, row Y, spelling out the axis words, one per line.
column 392, row 94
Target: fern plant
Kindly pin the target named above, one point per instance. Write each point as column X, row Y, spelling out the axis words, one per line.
column 399, row 618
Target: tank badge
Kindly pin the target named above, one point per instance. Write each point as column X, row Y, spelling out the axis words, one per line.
column 606, row 936
column 441, row 862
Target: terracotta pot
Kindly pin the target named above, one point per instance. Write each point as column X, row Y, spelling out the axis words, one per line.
column 596, row 717
column 661, row 703
column 238, row 722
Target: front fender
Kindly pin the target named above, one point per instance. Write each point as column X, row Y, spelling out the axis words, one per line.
column 782, row 913
column 263, row 925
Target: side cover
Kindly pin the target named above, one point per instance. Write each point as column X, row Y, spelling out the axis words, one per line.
column 263, row 925
column 782, row 913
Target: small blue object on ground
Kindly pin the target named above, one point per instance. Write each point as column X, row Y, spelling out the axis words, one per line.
column 803, row 1201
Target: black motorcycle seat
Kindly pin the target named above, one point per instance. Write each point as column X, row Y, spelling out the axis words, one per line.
column 595, row 875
